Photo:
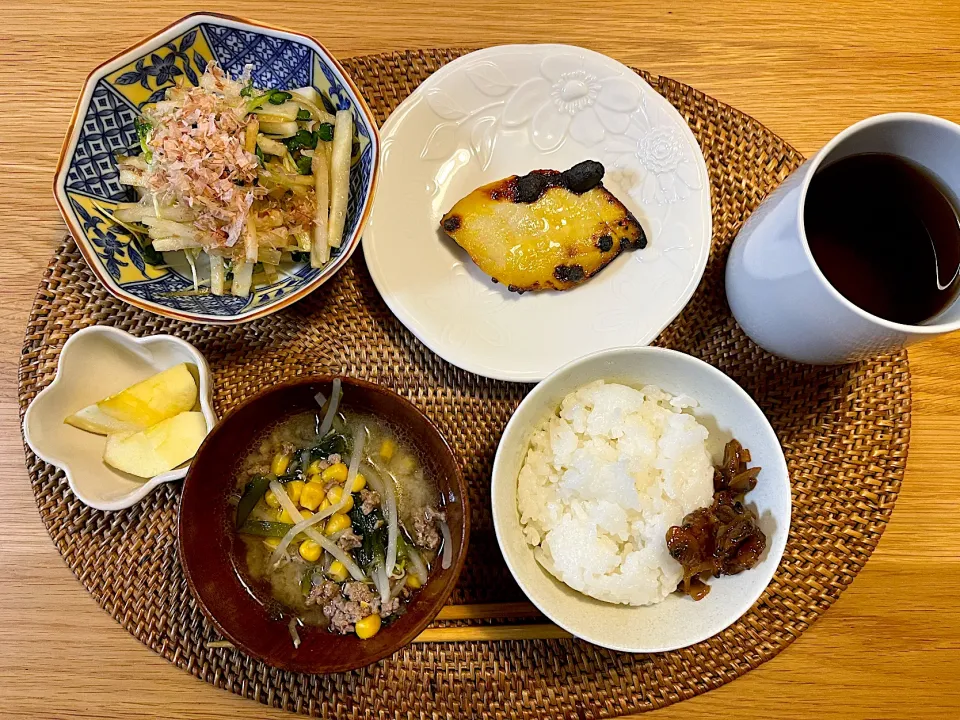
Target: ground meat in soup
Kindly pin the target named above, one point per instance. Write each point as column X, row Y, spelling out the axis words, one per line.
column 363, row 594
column 425, row 531
column 323, row 593
column 370, row 501
column 343, row 614
column 349, row 540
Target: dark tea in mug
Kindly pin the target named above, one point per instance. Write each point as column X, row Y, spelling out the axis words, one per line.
column 886, row 234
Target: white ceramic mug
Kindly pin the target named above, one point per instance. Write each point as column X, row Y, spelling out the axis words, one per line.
column 777, row 293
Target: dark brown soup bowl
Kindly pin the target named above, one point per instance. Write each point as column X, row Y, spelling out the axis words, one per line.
column 212, row 555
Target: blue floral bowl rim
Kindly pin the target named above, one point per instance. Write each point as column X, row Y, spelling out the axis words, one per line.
column 123, row 58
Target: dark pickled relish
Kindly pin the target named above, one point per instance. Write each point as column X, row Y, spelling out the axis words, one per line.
column 724, row 538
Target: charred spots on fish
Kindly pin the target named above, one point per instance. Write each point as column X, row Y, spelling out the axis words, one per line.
column 605, row 243
column 582, row 177
column 452, row 223
column 634, row 243
column 505, row 190
column 569, row 273
column 530, row 187
column 516, row 289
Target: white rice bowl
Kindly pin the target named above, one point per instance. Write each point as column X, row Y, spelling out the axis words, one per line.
column 603, row 481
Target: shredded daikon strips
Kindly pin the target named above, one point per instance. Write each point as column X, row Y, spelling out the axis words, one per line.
column 419, row 566
column 331, row 409
column 382, row 583
column 384, row 484
column 340, row 176
column 447, row 557
column 294, row 635
column 398, row 587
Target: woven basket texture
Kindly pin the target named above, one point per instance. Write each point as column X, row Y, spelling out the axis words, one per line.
column 845, row 432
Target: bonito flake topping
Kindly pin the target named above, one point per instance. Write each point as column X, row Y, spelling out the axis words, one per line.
column 255, row 178
column 199, row 157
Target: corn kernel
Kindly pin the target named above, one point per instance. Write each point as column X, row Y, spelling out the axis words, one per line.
column 359, row 483
column 323, row 505
column 337, row 571
column 368, row 627
column 284, row 517
column 312, row 495
column 413, row 581
column 310, row 551
column 314, row 468
column 337, row 473
column 387, row 448
column 335, row 494
column 270, row 499
column 271, row 543
column 294, row 489
column 280, row 463
column 336, row 523
column 347, row 504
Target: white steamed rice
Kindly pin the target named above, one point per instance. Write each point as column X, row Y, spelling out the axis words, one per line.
column 603, row 481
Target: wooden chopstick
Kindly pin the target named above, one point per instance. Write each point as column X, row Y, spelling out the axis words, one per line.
column 489, row 610
column 544, row 631
column 537, row 631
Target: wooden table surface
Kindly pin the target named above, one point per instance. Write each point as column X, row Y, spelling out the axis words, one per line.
column 889, row 647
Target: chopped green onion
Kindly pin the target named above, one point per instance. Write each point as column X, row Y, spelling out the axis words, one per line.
column 303, row 114
column 247, row 91
column 256, row 101
column 325, row 132
column 303, row 165
column 143, row 128
column 279, row 97
column 303, row 139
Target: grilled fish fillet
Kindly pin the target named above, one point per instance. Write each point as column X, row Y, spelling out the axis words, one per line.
column 544, row 230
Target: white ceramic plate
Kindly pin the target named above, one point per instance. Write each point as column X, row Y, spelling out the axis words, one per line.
column 509, row 110
column 97, row 362
column 727, row 412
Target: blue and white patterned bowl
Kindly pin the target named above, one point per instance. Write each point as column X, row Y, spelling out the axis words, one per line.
column 87, row 184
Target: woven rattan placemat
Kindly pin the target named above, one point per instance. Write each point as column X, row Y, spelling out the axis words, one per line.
column 845, row 432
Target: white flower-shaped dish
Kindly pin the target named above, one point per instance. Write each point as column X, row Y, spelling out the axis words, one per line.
column 727, row 412
column 509, row 110
column 96, row 362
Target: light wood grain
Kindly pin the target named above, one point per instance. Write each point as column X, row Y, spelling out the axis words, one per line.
column 891, row 644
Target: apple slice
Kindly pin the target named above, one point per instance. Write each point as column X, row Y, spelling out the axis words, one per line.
column 157, row 398
column 159, row 448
